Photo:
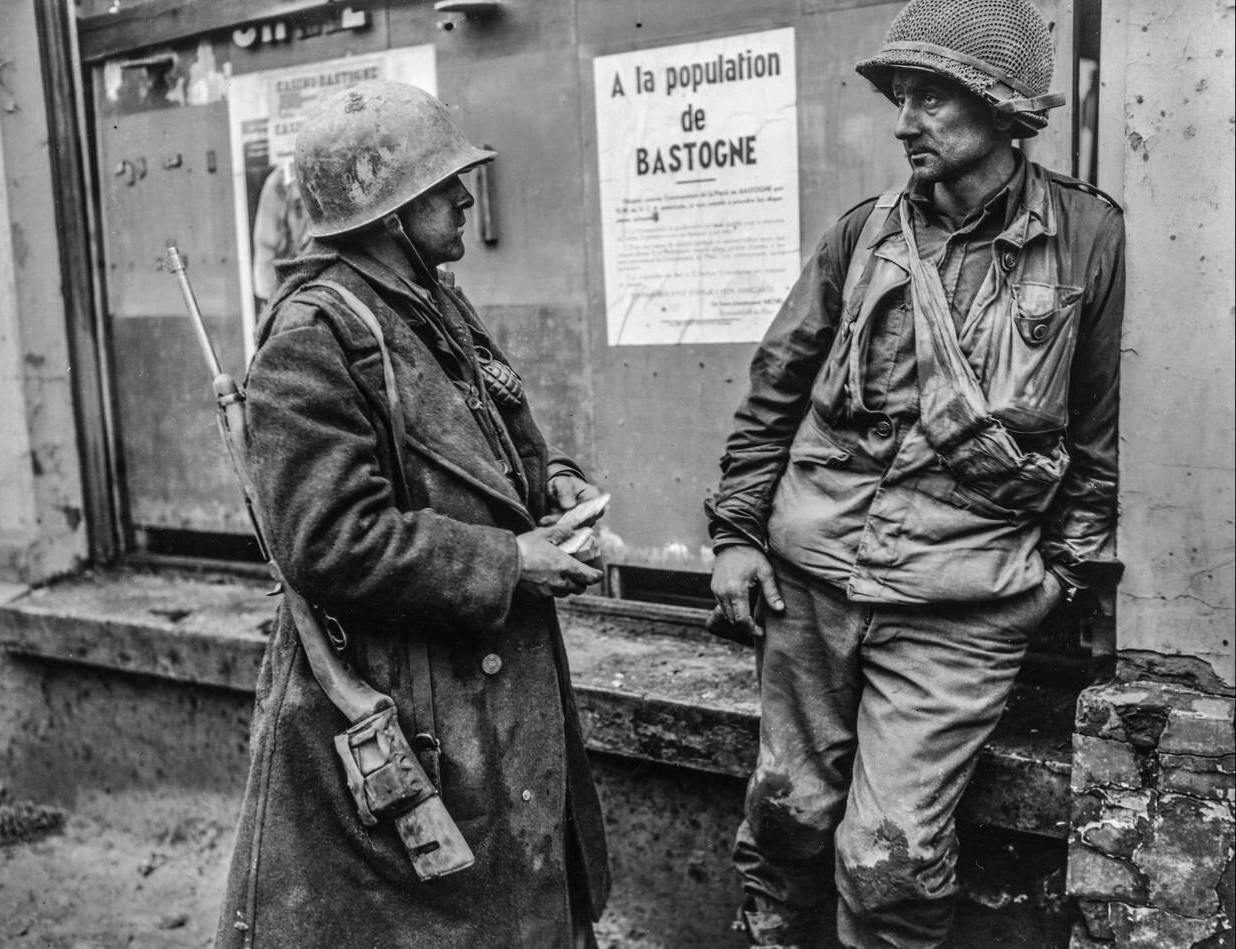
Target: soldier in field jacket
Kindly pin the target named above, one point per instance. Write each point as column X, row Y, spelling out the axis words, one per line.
column 923, row 468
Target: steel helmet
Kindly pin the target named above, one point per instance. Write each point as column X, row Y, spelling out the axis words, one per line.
column 370, row 149
column 998, row 49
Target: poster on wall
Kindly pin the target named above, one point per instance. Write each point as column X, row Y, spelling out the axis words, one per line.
column 697, row 151
column 265, row 111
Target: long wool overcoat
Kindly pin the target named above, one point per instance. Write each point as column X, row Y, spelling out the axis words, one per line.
column 305, row 872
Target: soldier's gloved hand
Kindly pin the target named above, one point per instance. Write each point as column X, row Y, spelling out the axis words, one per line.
column 546, row 570
column 738, row 572
column 565, row 491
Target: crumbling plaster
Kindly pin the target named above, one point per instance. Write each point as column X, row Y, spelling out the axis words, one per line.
column 1166, row 146
column 1151, row 849
column 42, row 531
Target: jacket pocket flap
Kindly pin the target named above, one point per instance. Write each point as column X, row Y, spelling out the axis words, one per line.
column 813, row 447
column 1041, row 310
column 1041, row 299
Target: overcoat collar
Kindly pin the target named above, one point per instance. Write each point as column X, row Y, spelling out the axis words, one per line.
column 453, row 437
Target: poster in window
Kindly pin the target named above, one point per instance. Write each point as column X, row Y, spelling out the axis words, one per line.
column 697, row 150
column 265, row 111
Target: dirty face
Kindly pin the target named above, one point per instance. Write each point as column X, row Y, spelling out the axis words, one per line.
column 947, row 131
column 434, row 221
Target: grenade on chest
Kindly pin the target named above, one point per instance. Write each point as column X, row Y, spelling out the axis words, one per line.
column 501, row 381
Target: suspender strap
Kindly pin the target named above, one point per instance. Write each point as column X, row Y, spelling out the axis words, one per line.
column 425, row 740
column 871, row 229
column 840, row 383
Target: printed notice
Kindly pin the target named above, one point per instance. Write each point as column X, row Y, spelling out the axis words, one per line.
column 265, row 111
column 698, row 167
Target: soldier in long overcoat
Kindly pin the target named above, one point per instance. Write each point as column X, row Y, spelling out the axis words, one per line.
column 419, row 537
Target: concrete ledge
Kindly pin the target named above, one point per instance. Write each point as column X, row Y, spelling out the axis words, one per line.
column 649, row 683
column 173, row 626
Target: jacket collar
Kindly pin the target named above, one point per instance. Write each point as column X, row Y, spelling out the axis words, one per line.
column 455, row 441
column 1032, row 216
column 380, row 261
column 1036, row 215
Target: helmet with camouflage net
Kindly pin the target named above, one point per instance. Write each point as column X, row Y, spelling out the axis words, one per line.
column 370, row 149
column 1000, row 50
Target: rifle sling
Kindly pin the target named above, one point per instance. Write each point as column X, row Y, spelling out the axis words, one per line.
column 425, row 739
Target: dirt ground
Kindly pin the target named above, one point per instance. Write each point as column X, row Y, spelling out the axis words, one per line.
column 146, row 871
column 140, row 871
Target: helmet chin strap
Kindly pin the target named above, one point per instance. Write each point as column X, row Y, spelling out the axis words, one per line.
column 394, row 227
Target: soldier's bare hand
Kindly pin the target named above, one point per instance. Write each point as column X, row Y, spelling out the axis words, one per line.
column 546, row 570
column 565, row 492
column 738, row 571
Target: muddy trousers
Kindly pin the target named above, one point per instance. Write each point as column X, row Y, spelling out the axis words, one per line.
column 871, row 719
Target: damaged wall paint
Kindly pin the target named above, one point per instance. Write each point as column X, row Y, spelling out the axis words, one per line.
column 1167, row 156
column 16, row 476
column 39, row 464
column 199, row 79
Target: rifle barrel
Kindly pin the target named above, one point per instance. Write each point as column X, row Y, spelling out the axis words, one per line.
column 176, row 264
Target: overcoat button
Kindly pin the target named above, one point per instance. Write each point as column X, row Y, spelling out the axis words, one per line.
column 491, row 664
column 1039, row 332
column 883, row 428
column 1008, row 260
column 526, row 794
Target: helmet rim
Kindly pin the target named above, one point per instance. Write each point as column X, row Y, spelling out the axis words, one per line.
column 1000, row 50
column 481, row 156
column 372, row 148
column 878, row 70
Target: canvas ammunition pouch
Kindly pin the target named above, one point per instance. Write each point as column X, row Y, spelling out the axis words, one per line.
column 380, row 769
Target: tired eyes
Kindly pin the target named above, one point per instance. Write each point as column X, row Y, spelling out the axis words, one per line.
column 927, row 100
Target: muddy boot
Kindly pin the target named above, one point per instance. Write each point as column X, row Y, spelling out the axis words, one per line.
column 773, row 931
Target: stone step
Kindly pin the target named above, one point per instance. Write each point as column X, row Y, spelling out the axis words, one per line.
column 650, row 683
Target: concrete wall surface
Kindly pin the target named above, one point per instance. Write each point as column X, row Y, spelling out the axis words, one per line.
column 1166, row 146
column 42, row 529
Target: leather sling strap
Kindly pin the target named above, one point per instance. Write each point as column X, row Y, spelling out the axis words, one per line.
column 394, row 406
column 425, row 739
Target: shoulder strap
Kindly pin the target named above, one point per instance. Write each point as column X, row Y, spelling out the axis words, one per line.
column 1077, row 184
column 362, row 311
column 425, row 740
column 358, row 308
column 862, row 250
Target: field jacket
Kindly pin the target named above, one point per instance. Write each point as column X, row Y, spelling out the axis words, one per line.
column 434, row 575
column 891, row 507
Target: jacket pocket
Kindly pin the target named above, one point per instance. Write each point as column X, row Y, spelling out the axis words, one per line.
column 1028, row 385
column 1042, row 310
column 812, row 446
column 970, row 499
column 1027, row 489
